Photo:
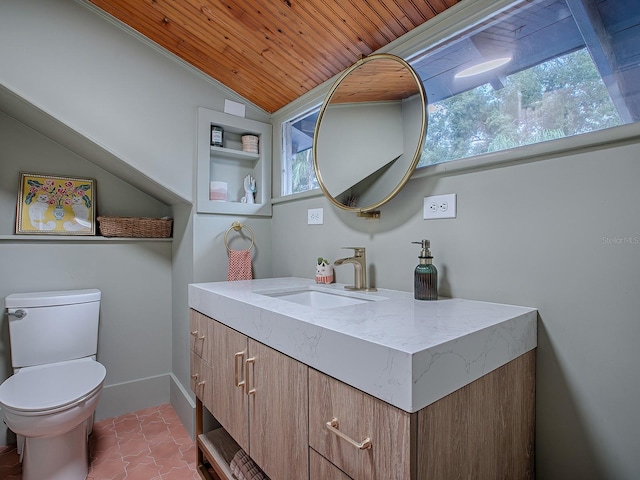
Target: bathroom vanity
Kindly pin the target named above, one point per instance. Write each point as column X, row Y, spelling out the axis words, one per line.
column 317, row 383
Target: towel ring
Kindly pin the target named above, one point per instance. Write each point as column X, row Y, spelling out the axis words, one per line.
column 237, row 226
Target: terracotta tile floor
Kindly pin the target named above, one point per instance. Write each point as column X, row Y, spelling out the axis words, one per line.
column 149, row 444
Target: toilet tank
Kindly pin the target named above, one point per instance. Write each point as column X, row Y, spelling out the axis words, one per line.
column 56, row 326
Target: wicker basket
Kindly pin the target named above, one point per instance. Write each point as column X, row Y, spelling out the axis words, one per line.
column 135, row 227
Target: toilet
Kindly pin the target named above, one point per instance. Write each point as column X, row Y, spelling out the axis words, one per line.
column 50, row 399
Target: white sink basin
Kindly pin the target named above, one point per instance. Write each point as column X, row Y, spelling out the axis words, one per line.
column 318, row 298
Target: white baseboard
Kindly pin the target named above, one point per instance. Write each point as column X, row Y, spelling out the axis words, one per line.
column 184, row 405
column 128, row 397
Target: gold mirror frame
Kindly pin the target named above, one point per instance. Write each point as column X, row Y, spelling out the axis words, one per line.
column 367, row 82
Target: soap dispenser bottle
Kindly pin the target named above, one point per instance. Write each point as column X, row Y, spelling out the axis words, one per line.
column 425, row 282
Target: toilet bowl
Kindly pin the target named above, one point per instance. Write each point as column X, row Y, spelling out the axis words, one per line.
column 50, row 400
column 52, row 407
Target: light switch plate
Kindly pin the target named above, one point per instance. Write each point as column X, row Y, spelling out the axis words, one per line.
column 315, row 216
column 440, row 206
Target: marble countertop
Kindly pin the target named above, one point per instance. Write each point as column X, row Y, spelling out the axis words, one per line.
column 407, row 352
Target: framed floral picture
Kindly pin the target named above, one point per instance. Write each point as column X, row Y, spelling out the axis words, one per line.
column 54, row 205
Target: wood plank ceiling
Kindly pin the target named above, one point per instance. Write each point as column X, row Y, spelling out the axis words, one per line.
column 272, row 51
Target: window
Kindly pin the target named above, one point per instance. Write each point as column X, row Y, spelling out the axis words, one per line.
column 541, row 70
column 298, row 174
column 536, row 71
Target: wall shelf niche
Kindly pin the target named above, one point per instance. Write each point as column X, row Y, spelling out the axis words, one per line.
column 231, row 164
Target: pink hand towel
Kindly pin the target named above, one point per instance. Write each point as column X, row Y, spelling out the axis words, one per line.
column 239, row 265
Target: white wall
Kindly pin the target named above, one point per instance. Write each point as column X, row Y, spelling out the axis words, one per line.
column 547, row 234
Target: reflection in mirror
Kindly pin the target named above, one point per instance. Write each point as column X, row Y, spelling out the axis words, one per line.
column 370, row 133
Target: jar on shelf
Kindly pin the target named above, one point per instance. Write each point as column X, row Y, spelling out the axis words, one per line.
column 216, row 136
column 250, row 143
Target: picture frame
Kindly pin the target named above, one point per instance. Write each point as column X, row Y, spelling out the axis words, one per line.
column 56, row 205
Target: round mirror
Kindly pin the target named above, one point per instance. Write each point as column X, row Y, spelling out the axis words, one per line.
column 370, row 132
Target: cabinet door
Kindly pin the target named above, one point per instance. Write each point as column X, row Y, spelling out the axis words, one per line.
column 322, row 469
column 229, row 401
column 278, row 413
column 486, row 429
column 359, row 416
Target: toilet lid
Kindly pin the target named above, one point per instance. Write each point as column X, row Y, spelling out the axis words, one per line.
column 45, row 387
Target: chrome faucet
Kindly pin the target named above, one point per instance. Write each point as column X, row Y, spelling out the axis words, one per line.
column 359, row 261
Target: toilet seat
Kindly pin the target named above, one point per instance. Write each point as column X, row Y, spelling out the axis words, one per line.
column 44, row 389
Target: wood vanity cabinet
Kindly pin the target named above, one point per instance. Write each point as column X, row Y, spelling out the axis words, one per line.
column 483, row 430
column 259, row 396
column 277, row 409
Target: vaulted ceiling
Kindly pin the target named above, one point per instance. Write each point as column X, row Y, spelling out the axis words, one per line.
column 272, row 51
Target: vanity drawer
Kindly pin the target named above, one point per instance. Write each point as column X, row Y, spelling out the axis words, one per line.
column 322, row 469
column 200, row 334
column 201, row 379
column 356, row 417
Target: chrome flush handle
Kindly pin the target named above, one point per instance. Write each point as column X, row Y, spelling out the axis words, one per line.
column 19, row 313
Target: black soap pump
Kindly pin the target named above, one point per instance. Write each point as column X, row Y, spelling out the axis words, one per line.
column 425, row 281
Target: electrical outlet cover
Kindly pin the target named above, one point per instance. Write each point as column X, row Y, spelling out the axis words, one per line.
column 315, row 216
column 440, row 206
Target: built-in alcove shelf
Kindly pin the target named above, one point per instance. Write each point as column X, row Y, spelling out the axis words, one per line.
column 235, row 154
column 76, row 238
column 230, row 164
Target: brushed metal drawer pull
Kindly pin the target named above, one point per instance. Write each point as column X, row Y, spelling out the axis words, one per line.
column 237, row 367
column 195, row 333
column 199, row 384
column 250, row 390
column 333, row 425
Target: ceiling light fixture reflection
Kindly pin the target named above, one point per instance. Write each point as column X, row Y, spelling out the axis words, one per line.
column 482, row 67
